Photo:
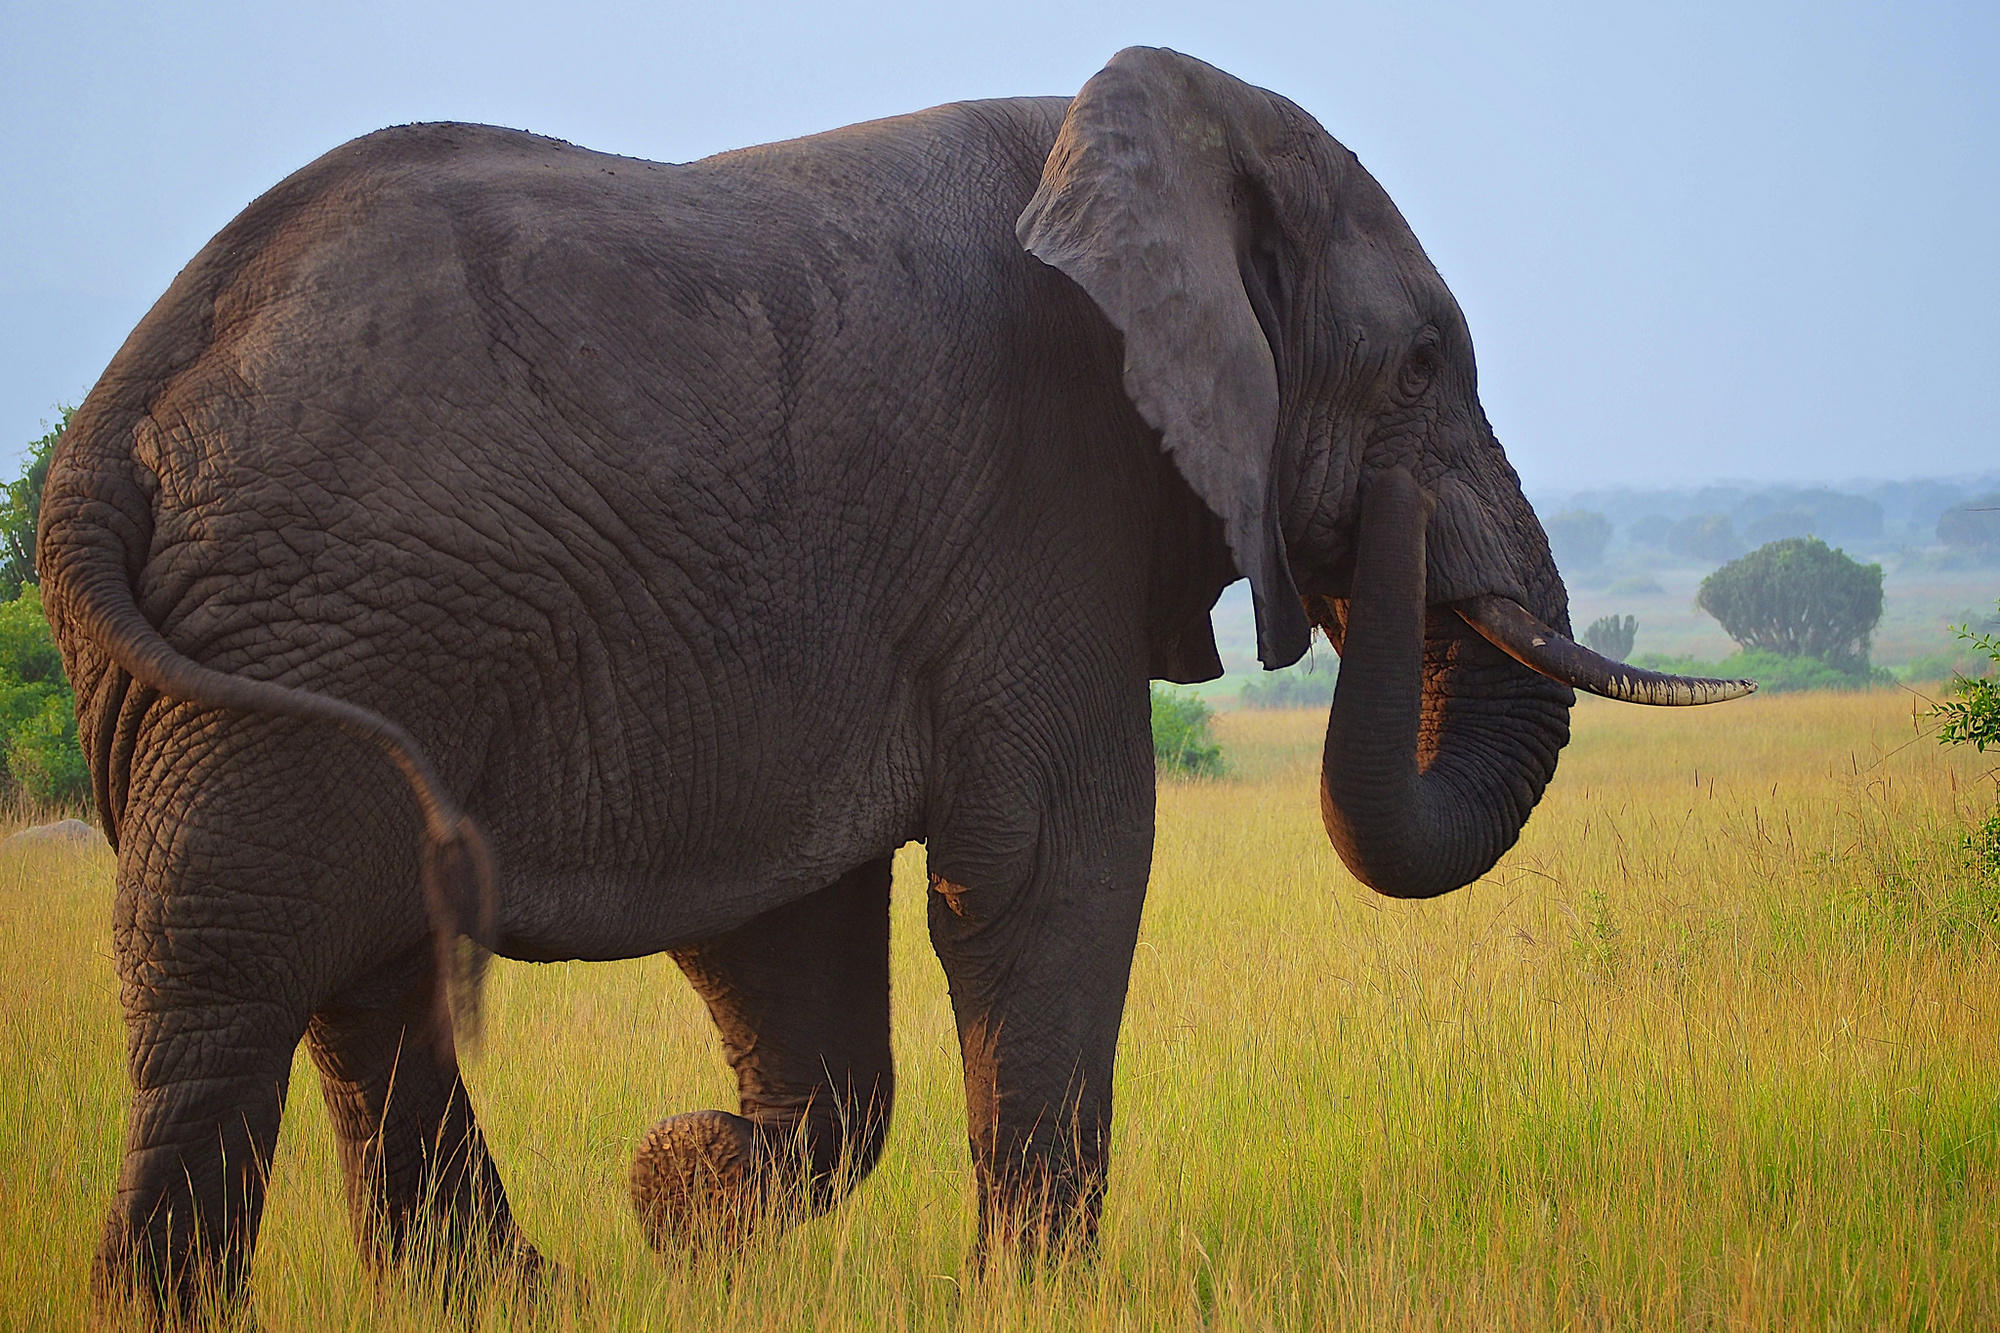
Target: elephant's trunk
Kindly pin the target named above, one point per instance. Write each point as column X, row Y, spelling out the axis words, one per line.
column 1438, row 745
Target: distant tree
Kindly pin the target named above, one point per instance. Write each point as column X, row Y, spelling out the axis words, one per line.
column 1798, row 598
column 20, row 508
column 1705, row 537
column 1780, row 525
column 1814, row 511
column 1652, row 530
column 1972, row 525
column 1837, row 516
column 1578, row 537
column 1611, row 636
column 1293, row 688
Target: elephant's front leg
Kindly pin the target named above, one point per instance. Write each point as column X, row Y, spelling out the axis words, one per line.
column 1038, row 972
column 801, row 998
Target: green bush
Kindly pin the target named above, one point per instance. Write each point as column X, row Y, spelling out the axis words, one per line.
column 1181, row 741
column 1973, row 716
column 1773, row 672
column 37, row 710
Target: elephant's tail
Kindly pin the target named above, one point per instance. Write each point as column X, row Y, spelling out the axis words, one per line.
column 91, row 598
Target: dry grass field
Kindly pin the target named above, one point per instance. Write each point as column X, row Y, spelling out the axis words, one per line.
column 1717, row 1046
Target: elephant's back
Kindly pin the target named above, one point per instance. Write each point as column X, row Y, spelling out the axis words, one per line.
column 460, row 420
column 516, row 347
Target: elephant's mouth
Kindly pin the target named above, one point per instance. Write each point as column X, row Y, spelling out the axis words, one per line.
column 1510, row 627
column 1448, row 716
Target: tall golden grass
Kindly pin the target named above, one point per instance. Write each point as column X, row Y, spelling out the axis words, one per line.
column 1717, row 1046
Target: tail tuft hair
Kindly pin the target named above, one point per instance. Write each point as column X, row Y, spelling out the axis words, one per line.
column 460, row 896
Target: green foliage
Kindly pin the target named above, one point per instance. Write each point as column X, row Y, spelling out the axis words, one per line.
column 1182, row 744
column 1798, row 598
column 1774, row 674
column 1973, row 717
column 37, row 710
column 20, row 508
column 1611, row 636
column 1982, row 850
column 1295, row 687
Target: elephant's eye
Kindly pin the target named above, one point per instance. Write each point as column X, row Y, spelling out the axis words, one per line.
column 1423, row 365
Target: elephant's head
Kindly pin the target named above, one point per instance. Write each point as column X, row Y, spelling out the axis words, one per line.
column 1313, row 380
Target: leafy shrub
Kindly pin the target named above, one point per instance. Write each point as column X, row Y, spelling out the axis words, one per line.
column 1611, row 636
column 37, row 709
column 1292, row 688
column 1182, row 744
column 1798, row 598
column 1973, row 717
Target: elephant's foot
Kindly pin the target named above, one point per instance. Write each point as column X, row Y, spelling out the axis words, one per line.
column 700, row 1184
column 1040, row 1205
column 127, row 1291
column 521, row 1278
column 463, row 1266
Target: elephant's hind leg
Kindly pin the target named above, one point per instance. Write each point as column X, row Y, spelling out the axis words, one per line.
column 801, row 996
column 215, row 935
column 203, row 1124
column 420, row 1183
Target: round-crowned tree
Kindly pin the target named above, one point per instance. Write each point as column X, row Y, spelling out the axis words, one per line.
column 1798, row 598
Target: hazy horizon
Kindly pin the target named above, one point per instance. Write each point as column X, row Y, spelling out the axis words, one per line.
column 1751, row 242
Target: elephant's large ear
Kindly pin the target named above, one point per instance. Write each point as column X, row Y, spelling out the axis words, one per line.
column 1139, row 205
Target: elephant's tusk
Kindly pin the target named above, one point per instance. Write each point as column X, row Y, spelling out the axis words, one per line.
column 1508, row 626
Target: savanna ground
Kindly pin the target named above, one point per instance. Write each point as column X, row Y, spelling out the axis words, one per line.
column 1715, row 1047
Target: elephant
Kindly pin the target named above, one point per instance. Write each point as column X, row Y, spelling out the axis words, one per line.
column 487, row 544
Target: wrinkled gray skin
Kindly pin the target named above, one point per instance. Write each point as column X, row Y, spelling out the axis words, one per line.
column 713, row 530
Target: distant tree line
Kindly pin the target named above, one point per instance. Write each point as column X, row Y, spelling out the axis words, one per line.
column 1718, row 524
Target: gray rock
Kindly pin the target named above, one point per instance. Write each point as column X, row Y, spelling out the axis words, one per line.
column 64, row 832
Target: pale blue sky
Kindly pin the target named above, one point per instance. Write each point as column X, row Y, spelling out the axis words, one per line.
column 1753, row 240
